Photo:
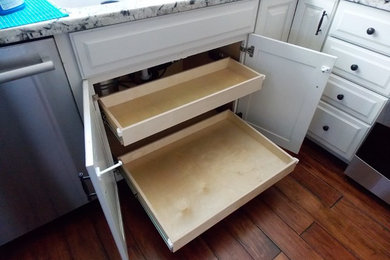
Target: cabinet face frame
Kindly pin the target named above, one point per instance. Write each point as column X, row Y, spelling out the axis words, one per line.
column 94, row 127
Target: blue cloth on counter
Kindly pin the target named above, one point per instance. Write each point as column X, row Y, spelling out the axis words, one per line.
column 34, row 11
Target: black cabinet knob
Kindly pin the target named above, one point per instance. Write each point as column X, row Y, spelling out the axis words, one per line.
column 325, row 128
column 370, row 31
column 340, row 96
column 354, row 67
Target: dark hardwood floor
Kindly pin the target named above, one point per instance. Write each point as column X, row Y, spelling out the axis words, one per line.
column 314, row 213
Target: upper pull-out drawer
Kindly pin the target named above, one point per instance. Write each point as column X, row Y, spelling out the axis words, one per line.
column 353, row 99
column 137, row 45
column 364, row 67
column 364, row 26
column 139, row 112
column 194, row 178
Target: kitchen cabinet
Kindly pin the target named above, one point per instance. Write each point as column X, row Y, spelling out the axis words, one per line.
column 311, row 23
column 221, row 161
column 359, row 88
column 304, row 22
column 274, row 18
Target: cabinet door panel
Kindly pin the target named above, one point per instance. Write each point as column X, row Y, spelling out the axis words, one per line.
column 97, row 158
column 307, row 20
column 294, row 83
column 275, row 18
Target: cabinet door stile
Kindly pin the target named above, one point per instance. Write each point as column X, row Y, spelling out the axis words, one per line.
column 98, row 157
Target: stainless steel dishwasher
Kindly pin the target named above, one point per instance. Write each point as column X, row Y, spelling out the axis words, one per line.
column 41, row 139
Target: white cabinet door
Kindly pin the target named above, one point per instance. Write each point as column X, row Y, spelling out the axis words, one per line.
column 311, row 22
column 295, row 80
column 97, row 159
column 275, row 17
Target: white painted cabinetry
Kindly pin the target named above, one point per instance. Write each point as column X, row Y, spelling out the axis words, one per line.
column 311, row 23
column 359, row 87
column 304, row 22
column 274, row 18
column 222, row 144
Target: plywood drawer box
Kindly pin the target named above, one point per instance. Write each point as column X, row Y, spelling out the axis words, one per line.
column 353, row 99
column 363, row 26
column 364, row 67
column 192, row 179
column 336, row 130
column 139, row 112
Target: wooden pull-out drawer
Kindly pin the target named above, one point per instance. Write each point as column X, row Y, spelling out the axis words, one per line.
column 353, row 99
column 139, row 112
column 363, row 26
column 192, row 179
column 361, row 66
column 336, row 130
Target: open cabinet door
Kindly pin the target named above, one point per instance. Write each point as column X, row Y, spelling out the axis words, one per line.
column 97, row 159
column 295, row 79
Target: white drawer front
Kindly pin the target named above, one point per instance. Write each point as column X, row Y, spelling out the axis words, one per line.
column 364, row 26
column 145, row 43
column 353, row 99
column 364, row 67
column 337, row 130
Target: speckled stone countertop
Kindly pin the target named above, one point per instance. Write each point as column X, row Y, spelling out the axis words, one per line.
column 380, row 4
column 89, row 17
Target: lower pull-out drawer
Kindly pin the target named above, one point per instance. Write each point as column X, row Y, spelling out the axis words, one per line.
column 192, row 179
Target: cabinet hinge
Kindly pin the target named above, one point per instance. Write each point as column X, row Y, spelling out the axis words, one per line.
column 250, row 50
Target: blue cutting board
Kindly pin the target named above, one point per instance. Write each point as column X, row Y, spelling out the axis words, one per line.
column 35, row 11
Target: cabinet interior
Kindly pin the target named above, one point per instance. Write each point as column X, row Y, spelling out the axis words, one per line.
column 132, row 80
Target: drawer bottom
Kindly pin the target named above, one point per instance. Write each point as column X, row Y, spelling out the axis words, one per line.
column 194, row 178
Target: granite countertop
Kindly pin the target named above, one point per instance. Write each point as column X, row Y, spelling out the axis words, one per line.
column 89, row 17
column 380, row 4
column 128, row 10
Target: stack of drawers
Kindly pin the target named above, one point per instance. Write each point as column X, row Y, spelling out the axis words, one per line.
column 360, row 85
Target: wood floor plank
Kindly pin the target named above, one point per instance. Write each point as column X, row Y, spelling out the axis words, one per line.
column 297, row 218
column 103, row 232
column 224, row 245
column 325, row 245
column 39, row 245
column 82, row 238
column 281, row 256
column 367, row 226
column 256, row 243
column 326, row 193
column 331, row 170
column 334, row 223
column 277, row 230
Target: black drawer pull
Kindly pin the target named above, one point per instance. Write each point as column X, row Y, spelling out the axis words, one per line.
column 340, row 96
column 325, row 128
column 354, row 67
column 370, row 31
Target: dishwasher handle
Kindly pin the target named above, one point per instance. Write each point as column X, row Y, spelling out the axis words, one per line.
column 26, row 71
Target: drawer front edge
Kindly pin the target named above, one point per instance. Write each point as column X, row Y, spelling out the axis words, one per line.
column 353, row 99
column 337, row 130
